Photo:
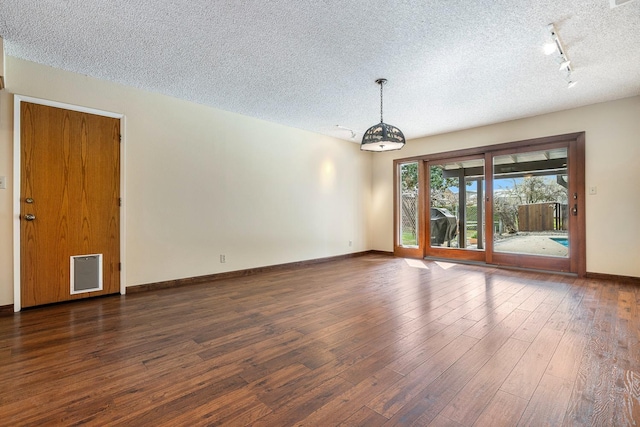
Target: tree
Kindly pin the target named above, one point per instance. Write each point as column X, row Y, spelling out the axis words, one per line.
column 441, row 195
column 530, row 190
column 409, row 177
column 539, row 189
column 507, row 212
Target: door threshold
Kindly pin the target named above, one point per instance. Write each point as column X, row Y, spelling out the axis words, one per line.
column 501, row 267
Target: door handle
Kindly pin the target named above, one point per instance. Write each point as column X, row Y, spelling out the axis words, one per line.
column 574, row 211
column 29, row 217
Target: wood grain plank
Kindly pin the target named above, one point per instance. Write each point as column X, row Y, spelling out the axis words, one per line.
column 491, row 320
column 395, row 397
column 568, row 355
column 341, row 407
column 504, row 410
column 630, row 410
column 494, row 340
column 442, row 421
column 428, row 403
column 600, row 384
column 364, row 417
column 391, row 353
column 548, row 404
column 535, row 299
column 526, row 375
column 305, row 404
column 469, row 403
column 534, row 323
column 417, row 355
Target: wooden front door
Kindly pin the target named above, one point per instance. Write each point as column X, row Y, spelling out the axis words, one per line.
column 69, row 201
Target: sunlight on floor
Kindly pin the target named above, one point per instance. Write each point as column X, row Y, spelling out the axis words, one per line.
column 444, row 265
column 416, row 263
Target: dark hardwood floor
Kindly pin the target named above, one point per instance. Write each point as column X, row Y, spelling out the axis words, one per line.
column 371, row 341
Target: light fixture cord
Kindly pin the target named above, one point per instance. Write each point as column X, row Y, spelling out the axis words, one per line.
column 381, row 84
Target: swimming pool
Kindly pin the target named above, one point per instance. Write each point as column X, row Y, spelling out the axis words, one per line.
column 564, row 241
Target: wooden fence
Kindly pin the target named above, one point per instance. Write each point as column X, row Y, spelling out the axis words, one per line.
column 548, row 216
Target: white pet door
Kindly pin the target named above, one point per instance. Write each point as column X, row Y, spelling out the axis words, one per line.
column 86, row 273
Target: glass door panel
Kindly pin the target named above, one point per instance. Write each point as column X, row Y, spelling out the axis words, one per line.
column 408, row 205
column 530, row 203
column 456, row 204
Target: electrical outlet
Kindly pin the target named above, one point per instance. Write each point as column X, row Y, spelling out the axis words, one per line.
column 223, row 259
column 3, row 182
column 593, row 190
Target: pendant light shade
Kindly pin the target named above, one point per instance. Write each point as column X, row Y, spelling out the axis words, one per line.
column 382, row 137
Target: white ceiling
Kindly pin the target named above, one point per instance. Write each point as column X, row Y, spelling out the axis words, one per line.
column 313, row 64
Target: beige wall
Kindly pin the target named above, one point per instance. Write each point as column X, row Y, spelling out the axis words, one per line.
column 6, row 207
column 201, row 182
column 612, row 164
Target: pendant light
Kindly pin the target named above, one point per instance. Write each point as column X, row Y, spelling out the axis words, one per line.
column 382, row 137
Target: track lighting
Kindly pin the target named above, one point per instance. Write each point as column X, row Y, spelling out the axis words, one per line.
column 570, row 81
column 549, row 48
column 556, row 47
column 565, row 65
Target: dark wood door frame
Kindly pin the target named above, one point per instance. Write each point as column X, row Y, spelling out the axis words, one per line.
column 18, row 99
column 575, row 143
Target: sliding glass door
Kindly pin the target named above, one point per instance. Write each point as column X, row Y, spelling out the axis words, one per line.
column 456, row 208
column 530, row 203
column 516, row 204
column 532, row 207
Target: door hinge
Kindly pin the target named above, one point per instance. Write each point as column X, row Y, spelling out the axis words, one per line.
column 119, row 266
column 120, row 138
column 119, row 201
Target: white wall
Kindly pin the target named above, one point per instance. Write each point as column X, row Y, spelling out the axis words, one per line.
column 612, row 164
column 201, row 182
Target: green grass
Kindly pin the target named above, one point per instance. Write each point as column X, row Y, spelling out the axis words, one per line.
column 409, row 239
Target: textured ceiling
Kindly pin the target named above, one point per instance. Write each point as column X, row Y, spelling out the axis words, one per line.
column 313, row 64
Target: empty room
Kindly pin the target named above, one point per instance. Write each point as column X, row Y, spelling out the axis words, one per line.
column 282, row 213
